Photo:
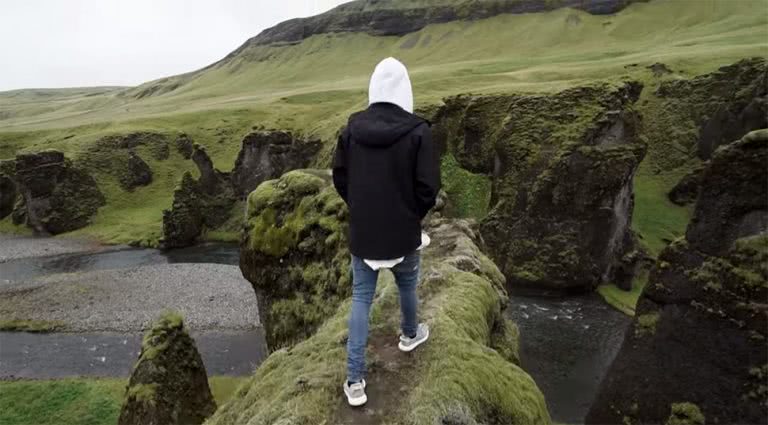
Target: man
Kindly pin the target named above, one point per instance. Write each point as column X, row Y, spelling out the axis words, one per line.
column 386, row 170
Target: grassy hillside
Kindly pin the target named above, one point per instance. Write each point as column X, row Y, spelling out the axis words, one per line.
column 535, row 52
column 75, row 401
column 311, row 87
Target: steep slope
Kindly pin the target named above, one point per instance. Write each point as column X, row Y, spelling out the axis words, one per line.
column 317, row 80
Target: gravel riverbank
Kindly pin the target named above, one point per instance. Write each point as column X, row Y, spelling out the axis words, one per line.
column 210, row 296
column 14, row 247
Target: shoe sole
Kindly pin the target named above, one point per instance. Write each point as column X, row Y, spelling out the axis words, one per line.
column 409, row 348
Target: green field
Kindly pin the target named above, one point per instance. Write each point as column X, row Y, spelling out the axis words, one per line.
column 78, row 401
column 311, row 87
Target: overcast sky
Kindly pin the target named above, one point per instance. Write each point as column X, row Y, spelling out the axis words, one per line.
column 73, row 43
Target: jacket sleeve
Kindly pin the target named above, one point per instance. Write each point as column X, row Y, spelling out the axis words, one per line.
column 427, row 183
column 340, row 166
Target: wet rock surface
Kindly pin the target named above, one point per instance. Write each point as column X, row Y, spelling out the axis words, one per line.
column 382, row 18
column 697, row 346
column 561, row 168
column 294, row 253
column 58, row 196
column 169, row 384
column 266, row 155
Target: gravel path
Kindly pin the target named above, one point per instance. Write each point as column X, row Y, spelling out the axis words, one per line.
column 13, row 247
column 210, row 296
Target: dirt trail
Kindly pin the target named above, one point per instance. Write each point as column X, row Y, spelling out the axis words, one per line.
column 389, row 380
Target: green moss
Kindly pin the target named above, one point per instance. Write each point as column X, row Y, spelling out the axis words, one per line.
column 624, row 301
column 469, row 194
column 37, row 326
column 456, row 371
column 155, row 341
column 646, row 324
column 144, row 393
column 685, row 414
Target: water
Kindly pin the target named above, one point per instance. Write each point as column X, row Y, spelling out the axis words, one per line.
column 30, row 268
column 56, row 355
column 567, row 345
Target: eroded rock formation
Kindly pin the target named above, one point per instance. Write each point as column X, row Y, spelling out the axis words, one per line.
column 298, row 220
column 266, row 155
column 561, row 169
column 168, row 385
column 137, row 174
column 58, row 196
column 697, row 346
column 197, row 204
column 8, row 192
column 294, row 253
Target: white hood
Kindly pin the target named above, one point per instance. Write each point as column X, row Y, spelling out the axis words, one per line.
column 390, row 84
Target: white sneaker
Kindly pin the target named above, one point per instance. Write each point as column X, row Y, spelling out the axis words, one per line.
column 355, row 393
column 408, row 344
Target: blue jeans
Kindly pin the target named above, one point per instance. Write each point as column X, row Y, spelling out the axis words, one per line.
column 363, row 288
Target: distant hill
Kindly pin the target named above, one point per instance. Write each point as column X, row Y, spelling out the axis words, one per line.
column 302, row 72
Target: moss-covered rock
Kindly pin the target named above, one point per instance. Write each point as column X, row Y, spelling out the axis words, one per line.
column 57, row 196
column 692, row 117
column 267, row 154
column 294, row 253
column 687, row 189
column 137, row 174
column 168, row 385
column 198, row 205
column 734, row 200
column 700, row 330
column 559, row 169
column 462, row 375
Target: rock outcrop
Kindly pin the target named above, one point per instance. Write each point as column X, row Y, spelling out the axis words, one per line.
column 561, row 169
column 294, row 254
column 266, row 155
column 137, row 174
column 697, row 347
column 697, row 115
column 197, row 204
column 168, row 385
column 8, row 192
column 687, row 189
column 58, row 196
column 465, row 374
column 387, row 17
column 157, row 143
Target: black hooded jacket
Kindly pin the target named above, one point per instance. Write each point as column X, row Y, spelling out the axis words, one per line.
column 387, row 171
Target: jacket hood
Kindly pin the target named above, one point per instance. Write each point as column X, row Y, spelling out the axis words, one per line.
column 382, row 124
column 390, row 84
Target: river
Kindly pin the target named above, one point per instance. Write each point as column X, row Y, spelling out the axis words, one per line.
column 567, row 343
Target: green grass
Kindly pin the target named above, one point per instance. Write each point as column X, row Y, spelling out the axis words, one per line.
column 78, row 401
column 302, row 88
column 656, row 219
column 41, row 326
column 624, row 301
column 469, row 193
column 531, row 52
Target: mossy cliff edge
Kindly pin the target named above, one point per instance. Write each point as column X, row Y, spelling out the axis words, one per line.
column 560, row 170
column 697, row 347
column 465, row 374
